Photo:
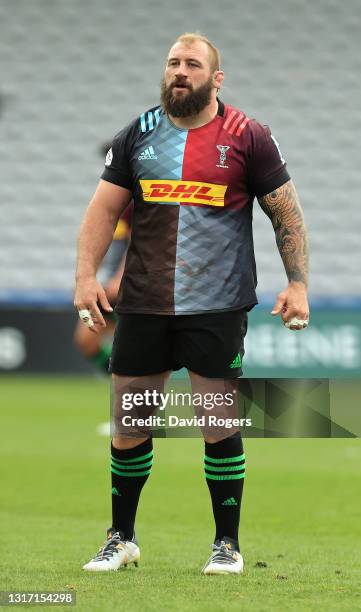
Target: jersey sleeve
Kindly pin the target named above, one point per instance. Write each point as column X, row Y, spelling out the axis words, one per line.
column 267, row 168
column 117, row 166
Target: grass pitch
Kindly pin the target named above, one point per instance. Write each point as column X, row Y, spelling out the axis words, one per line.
column 300, row 524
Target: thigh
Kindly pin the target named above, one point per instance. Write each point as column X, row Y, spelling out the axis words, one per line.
column 141, row 346
column 211, row 345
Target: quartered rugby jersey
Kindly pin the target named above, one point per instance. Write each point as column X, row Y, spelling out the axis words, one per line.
column 191, row 248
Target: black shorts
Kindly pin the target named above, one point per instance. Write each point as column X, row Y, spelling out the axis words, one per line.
column 209, row 344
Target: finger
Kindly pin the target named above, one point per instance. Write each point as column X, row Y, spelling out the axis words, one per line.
column 279, row 306
column 92, row 316
column 97, row 316
column 296, row 323
column 289, row 314
column 95, row 329
column 104, row 301
column 86, row 317
column 89, row 319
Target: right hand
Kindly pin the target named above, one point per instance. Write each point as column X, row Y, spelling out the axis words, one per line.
column 292, row 304
column 88, row 293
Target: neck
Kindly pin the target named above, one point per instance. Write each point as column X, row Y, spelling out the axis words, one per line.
column 204, row 117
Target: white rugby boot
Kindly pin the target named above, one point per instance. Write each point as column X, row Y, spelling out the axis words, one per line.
column 116, row 552
column 225, row 559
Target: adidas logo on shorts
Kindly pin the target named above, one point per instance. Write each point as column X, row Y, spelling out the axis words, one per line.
column 148, row 154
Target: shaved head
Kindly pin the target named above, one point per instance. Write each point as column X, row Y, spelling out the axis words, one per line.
column 189, row 38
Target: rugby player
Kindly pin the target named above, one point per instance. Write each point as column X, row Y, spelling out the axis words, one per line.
column 193, row 166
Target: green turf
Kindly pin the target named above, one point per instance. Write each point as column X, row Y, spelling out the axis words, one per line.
column 301, row 513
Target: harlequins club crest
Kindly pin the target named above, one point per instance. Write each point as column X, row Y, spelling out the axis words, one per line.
column 222, row 158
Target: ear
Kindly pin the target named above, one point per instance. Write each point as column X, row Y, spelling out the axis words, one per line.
column 218, row 78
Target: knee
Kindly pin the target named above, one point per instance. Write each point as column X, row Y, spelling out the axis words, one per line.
column 125, row 443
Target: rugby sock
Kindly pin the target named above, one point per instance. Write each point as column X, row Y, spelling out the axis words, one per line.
column 224, row 466
column 101, row 358
column 130, row 470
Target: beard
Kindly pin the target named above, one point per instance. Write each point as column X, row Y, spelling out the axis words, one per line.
column 187, row 105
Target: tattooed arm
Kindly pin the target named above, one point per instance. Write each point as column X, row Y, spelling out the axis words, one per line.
column 283, row 208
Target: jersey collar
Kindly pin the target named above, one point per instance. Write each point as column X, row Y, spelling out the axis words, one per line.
column 220, row 111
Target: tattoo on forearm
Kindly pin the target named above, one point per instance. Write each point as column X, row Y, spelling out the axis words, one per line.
column 283, row 208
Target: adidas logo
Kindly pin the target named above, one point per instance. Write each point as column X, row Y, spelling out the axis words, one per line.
column 236, row 363
column 229, row 502
column 115, row 491
column 148, row 154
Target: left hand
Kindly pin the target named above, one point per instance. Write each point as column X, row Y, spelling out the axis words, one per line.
column 292, row 304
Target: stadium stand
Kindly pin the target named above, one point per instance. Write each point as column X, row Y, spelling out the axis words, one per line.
column 75, row 72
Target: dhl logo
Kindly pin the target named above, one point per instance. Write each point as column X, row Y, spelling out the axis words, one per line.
column 187, row 192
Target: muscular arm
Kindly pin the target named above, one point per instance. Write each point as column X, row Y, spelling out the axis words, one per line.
column 95, row 235
column 97, row 228
column 283, row 208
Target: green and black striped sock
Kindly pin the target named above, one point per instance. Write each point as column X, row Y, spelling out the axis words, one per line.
column 130, row 470
column 224, row 466
column 101, row 358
